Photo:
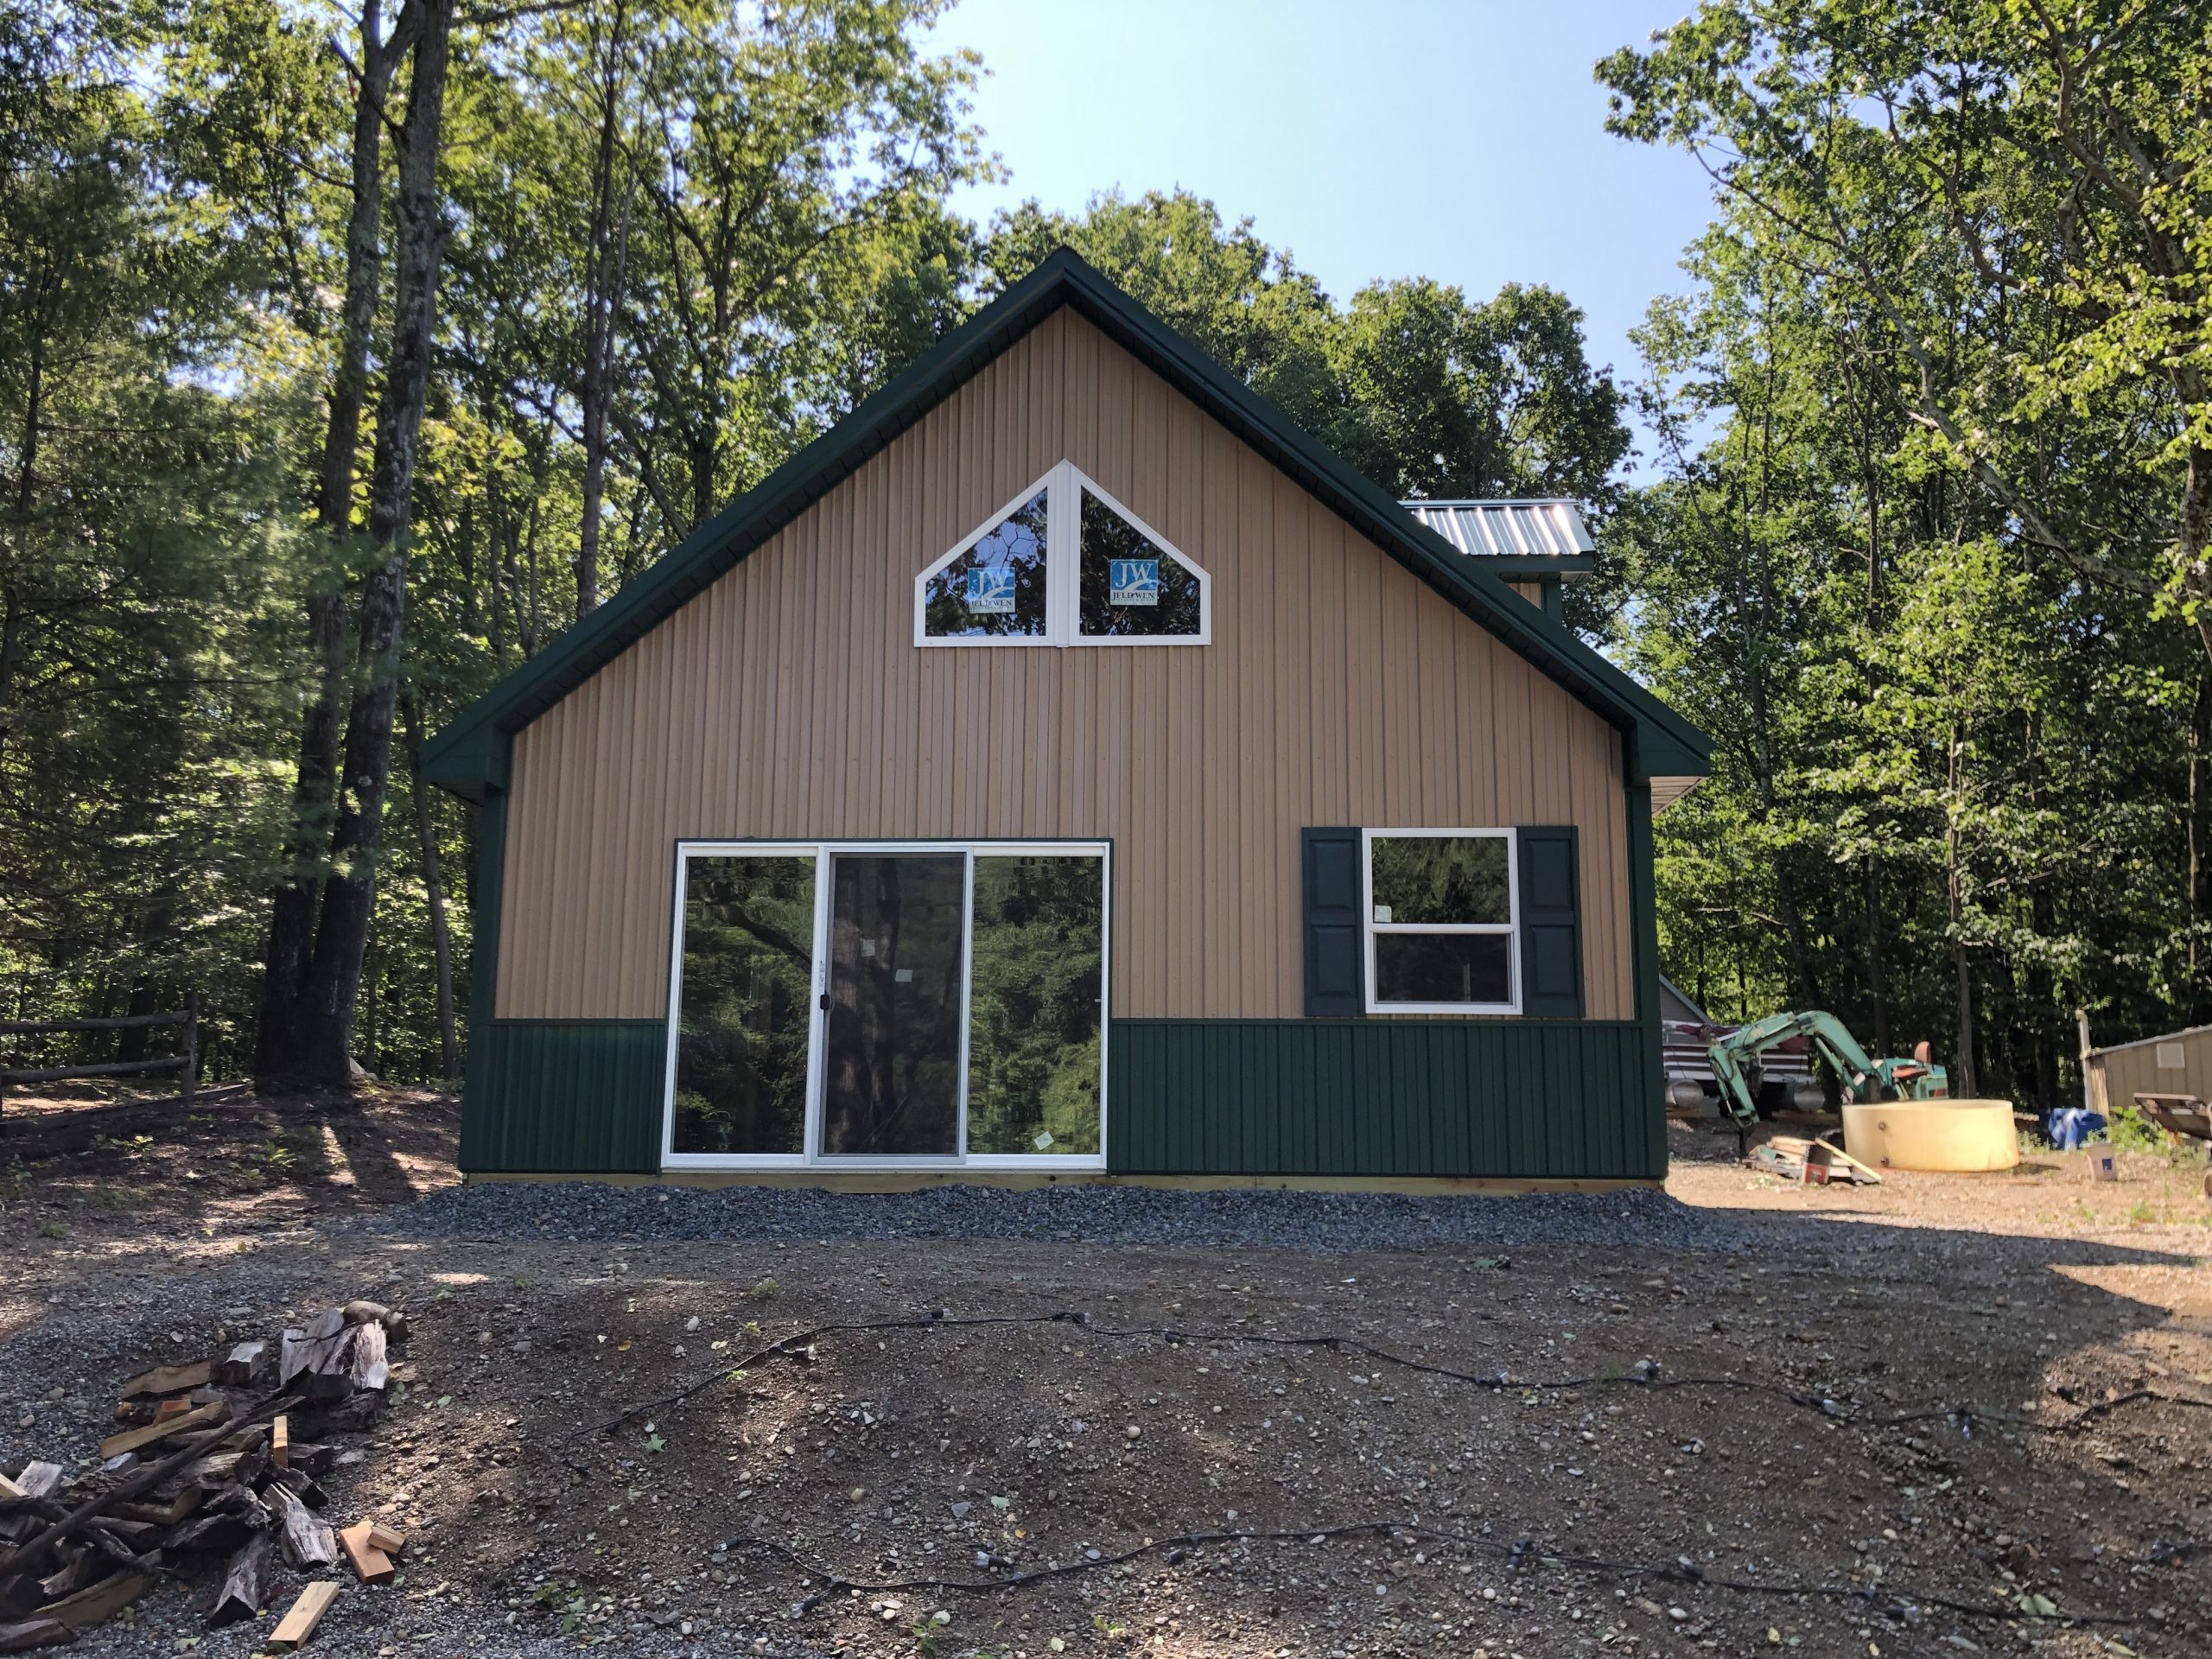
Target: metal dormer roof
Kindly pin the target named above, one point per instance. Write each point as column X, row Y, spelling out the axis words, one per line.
column 1535, row 537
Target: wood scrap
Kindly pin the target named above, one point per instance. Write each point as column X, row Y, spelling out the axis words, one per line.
column 9, row 1489
column 171, row 1379
column 35, row 1633
column 1871, row 1177
column 369, row 1564
column 385, row 1539
column 280, row 1441
column 165, row 1512
column 394, row 1324
column 40, row 1479
column 365, row 1365
column 245, row 1586
column 103, row 1601
column 207, row 1416
column 305, row 1613
column 240, row 1366
column 78, row 1575
column 309, row 1540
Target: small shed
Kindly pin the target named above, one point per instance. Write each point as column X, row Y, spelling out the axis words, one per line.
column 2179, row 1062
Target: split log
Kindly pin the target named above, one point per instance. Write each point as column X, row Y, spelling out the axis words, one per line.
column 352, row 1416
column 308, row 1540
column 40, row 1479
column 369, row 1564
column 311, row 1347
column 245, row 1586
column 394, row 1324
column 205, row 1416
column 35, row 1633
column 100, row 1603
column 305, row 1613
column 9, row 1489
column 164, row 1512
column 242, row 1362
column 313, row 1459
column 83, row 1570
column 211, row 1529
column 366, row 1367
column 171, row 1379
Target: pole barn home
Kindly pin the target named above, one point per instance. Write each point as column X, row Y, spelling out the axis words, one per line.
column 1064, row 768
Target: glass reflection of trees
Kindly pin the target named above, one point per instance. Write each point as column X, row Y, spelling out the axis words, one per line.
column 1017, row 541
column 1446, row 878
column 891, row 1078
column 1107, row 537
column 742, row 1026
column 1034, row 1009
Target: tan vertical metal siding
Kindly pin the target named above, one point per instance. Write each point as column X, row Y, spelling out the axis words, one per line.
column 2119, row 1074
column 788, row 700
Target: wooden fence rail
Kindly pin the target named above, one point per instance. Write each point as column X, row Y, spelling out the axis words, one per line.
column 186, row 1060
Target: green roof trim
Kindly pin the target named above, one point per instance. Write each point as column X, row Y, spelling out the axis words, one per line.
column 469, row 756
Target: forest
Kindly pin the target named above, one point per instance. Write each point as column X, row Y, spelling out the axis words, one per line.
column 349, row 354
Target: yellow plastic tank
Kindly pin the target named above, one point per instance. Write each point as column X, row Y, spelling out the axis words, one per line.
column 1948, row 1136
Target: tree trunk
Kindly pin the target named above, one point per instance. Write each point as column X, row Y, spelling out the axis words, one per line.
column 1877, row 975
column 1963, row 1081
column 334, row 979
column 2196, row 1002
column 435, row 895
column 12, row 601
column 603, row 273
column 293, row 911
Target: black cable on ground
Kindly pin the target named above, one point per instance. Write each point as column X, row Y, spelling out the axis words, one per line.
column 1644, row 1376
column 1885, row 1600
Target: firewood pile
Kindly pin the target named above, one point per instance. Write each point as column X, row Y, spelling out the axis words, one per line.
column 221, row 1456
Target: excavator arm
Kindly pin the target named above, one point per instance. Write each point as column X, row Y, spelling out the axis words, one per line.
column 1861, row 1076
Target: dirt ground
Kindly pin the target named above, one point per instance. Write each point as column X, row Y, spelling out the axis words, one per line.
column 1798, row 1474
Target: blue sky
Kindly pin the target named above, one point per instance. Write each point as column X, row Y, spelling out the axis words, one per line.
column 1372, row 138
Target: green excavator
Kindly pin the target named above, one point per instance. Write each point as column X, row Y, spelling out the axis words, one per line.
column 1862, row 1079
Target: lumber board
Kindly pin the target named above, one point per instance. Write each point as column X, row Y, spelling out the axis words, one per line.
column 305, row 1614
column 100, row 1603
column 171, row 1379
column 280, row 1442
column 207, row 1416
column 369, row 1564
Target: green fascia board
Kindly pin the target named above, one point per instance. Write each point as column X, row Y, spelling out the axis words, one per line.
column 462, row 757
column 1533, row 567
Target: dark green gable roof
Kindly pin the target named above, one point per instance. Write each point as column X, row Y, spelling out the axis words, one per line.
column 470, row 755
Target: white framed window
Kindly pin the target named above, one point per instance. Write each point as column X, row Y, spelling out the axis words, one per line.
column 1440, row 911
column 883, row 1004
column 1064, row 563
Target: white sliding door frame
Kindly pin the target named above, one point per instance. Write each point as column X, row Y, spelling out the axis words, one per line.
column 823, row 852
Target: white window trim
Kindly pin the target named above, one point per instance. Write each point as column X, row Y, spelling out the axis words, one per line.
column 1064, row 570
column 822, row 852
column 1370, row 927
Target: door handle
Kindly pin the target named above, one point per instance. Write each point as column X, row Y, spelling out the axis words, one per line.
column 825, row 1002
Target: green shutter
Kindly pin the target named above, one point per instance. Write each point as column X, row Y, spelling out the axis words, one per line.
column 1551, row 923
column 1334, row 961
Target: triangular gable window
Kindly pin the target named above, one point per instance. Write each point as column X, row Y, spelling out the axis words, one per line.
column 1063, row 563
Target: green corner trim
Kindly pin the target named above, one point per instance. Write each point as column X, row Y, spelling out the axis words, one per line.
column 468, row 757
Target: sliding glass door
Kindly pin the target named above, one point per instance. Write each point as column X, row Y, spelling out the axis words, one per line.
column 887, row 1005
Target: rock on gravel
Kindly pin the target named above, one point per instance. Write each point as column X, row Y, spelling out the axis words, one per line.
column 1325, row 1223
